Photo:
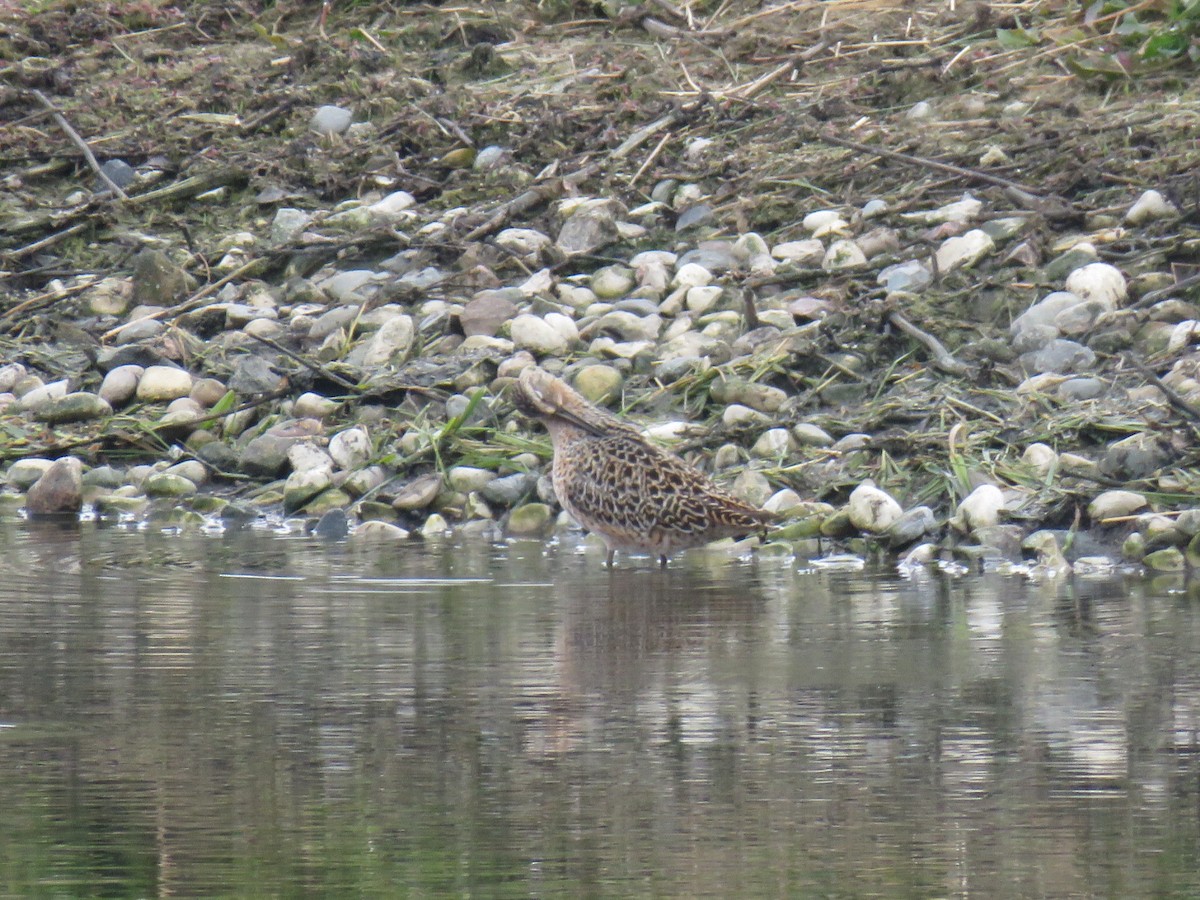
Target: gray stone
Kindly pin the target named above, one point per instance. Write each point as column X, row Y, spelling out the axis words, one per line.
column 627, row 326
column 24, row 473
column 588, row 228
column 530, row 520
column 774, row 443
column 714, row 256
column 1134, row 457
column 304, row 486
column 1081, row 389
column 163, row 484
column 418, row 493
column 468, row 478
column 873, row 510
column 534, row 334
column 913, row 525
column 375, row 530
column 288, row 224
column 59, row 491
column 507, row 490
column 40, row 395
column 80, row 406
column 808, row 435
column 157, row 280
column 253, row 375
column 599, row 384
column 1060, row 356
column 332, row 525
column 522, row 242
column 612, row 282
column 330, row 120
column 351, row 285
column 122, row 174
column 389, row 346
column 485, row 313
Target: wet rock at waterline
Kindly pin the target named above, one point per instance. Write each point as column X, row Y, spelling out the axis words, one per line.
column 59, row 491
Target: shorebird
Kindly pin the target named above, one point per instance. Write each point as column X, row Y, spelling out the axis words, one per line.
column 619, row 486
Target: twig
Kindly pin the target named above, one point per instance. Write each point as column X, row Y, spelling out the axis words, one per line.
column 550, row 190
column 942, row 358
column 33, row 302
column 190, row 302
column 1152, row 297
column 78, row 142
column 1172, row 395
column 307, row 363
column 973, row 174
column 45, row 242
column 650, row 159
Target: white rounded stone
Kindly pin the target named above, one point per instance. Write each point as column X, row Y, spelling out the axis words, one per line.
column 160, row 384
column 981, row 507
column 873, row 510
column 1098, row 281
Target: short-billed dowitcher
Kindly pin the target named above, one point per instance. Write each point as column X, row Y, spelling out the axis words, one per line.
column 617, row 485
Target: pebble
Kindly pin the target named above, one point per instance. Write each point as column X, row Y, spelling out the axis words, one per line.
column 59, row 491
column 532, row 333
column 351, row 448
column 774, row 443
column 163, row 484
column 1150, row 207
column 160, row 384
column 982, row 507
column 530, row 520
column 964, row 251
column 844, row 254
column 375, row 530
column 79, row 406
column 873, row 510
column 1041, row 458
column 1098, row 281
column 419, row 493
column 330, row 120
column 120, row 384
column 468, row 479
column 600, row 384
column 23, row 473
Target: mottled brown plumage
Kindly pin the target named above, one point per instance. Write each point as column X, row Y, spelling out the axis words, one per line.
column 619, row 486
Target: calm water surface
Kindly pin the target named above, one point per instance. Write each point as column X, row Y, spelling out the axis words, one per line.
column 265, row 715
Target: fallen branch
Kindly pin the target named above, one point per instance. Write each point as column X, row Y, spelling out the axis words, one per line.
column 535, row 196
column 1024, row 195
column 942, row 358
column 323, row 371
column 192, row 301
column 1173, row 396
column 79, row 142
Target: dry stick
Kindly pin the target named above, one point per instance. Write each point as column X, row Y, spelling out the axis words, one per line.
column 1172, row 396
column 308, row 364
column 78, row 142
column 1149, row 299
column 942, row 358
column 650, row 159
column 45, row 242
column 1020, row 189
column 531, row 198
column 49, row 296
column 191, row 301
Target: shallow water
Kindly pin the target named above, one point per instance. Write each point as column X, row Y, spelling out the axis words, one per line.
column 258, row 714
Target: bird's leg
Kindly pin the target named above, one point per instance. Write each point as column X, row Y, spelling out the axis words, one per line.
column 662, row 561
column 609, row 562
